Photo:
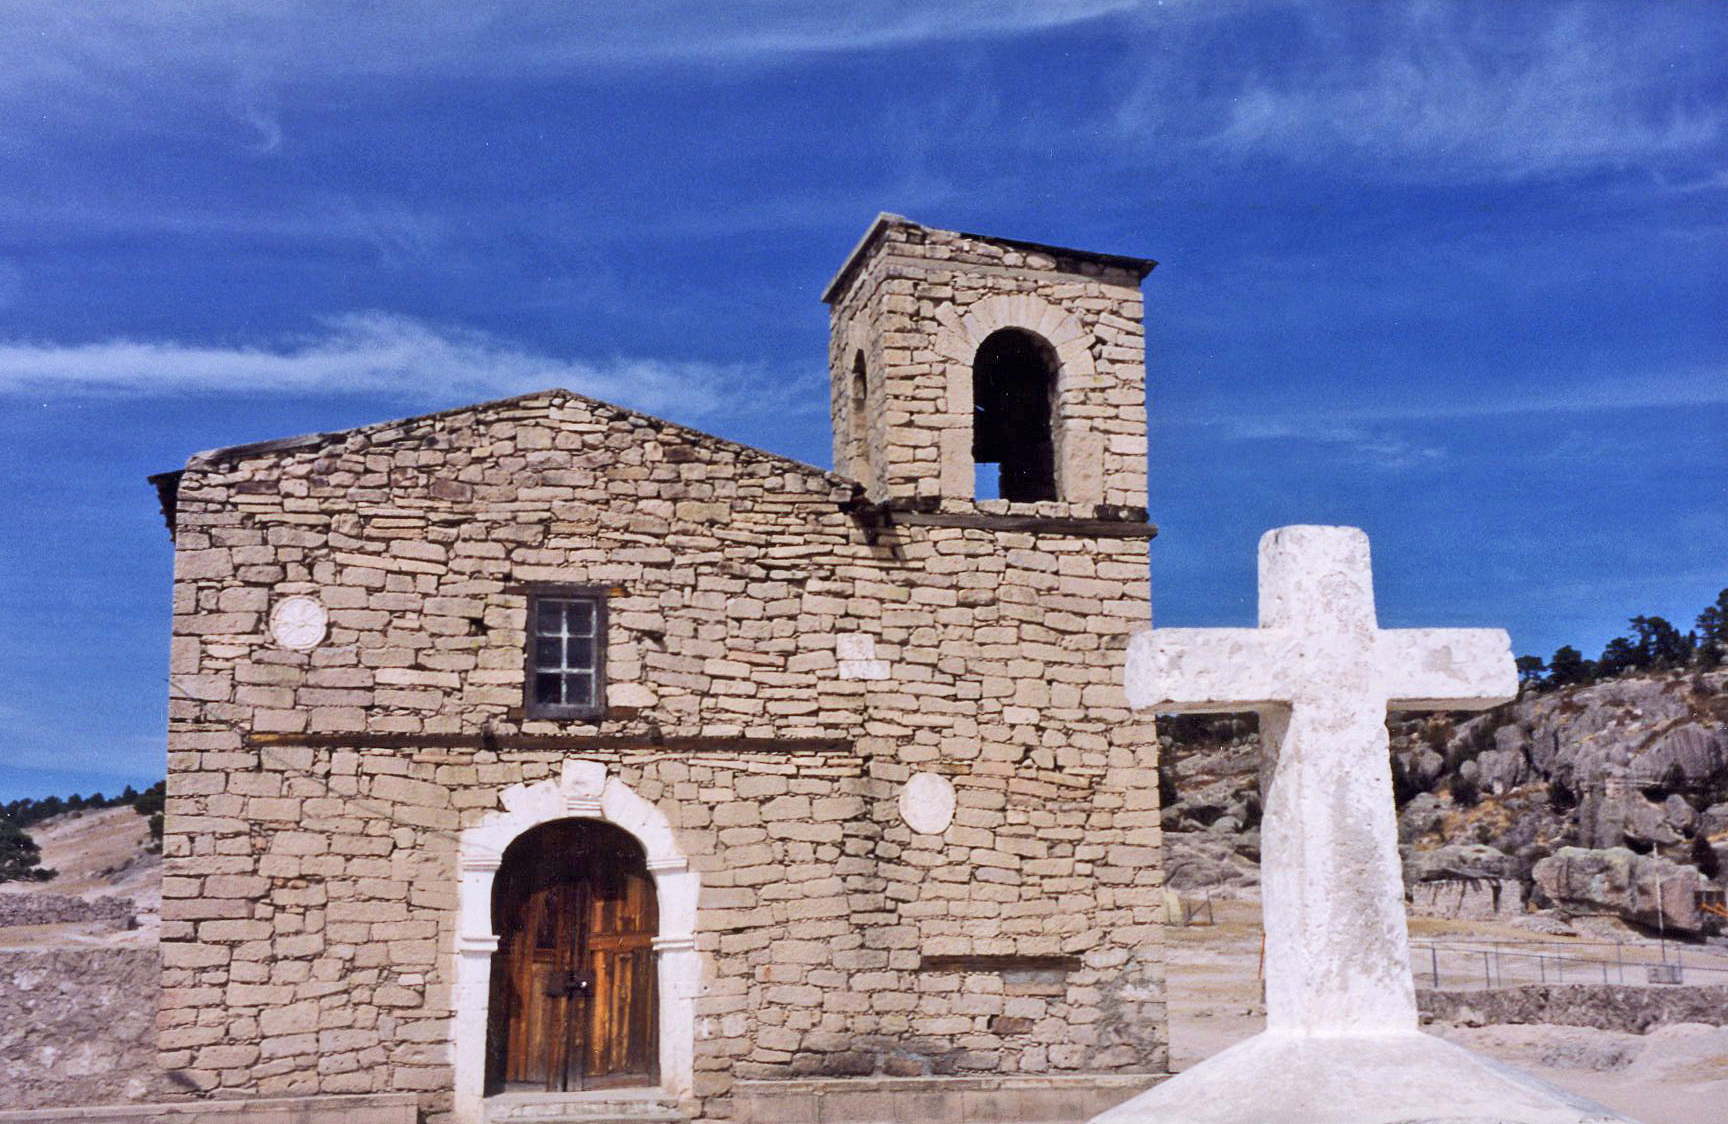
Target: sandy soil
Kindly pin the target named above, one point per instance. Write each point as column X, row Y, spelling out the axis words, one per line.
column 1673, row 1075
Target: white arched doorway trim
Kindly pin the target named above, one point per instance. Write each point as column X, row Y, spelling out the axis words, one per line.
column 582, row 791
column 1079, row 450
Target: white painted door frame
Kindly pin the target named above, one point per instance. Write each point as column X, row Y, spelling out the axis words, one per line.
column 582, row 791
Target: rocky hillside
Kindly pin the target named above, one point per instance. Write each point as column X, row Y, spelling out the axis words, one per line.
column 1606, row 797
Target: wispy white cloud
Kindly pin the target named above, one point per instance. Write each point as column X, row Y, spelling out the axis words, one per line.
column 1404, row 91
column 396, row 357
column 266, row 129
column 178, row 69
column 107, row 47
column 1436, row 92
column 1343, row 421
column 1376, row 447
column 796, row 27
column 398, row 234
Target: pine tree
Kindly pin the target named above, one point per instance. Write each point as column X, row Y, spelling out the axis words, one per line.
column 1620, row 655
column 1660, row 644
column 1712, row 626
column 20, row 857
column 149, row 804
column 1568, row 666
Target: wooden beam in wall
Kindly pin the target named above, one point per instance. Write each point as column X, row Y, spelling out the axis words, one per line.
column 555, row 742
column 1000, row 962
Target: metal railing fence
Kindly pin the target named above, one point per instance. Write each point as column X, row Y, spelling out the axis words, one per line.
column 1478, row 964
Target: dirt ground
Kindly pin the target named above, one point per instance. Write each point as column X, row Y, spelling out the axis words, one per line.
column 96, row 854
column 1673, row 1075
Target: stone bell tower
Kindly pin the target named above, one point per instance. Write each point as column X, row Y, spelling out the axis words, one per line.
column 966, row 369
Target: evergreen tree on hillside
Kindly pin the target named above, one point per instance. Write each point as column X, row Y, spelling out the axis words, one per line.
column 149, row 804
column 1620, row 655
column 1712, row 625
column 1530, row 672
column 27, row 810
column 20, row 857
column 1568, row 666
column 1660, row 644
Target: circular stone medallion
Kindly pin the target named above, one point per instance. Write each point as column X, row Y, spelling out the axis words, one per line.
column 299, row 623
column 927, row 803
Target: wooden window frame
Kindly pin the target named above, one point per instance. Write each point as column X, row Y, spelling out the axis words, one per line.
column 597, row 595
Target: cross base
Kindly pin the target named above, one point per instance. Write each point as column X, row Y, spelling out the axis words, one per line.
column 1399, row 1078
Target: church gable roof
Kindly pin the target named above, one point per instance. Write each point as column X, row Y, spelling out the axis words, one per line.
column 396, row 430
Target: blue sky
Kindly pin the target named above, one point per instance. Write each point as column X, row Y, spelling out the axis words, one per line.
column 1449, row 272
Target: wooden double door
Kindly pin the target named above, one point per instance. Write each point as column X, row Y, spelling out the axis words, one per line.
column 573, row 982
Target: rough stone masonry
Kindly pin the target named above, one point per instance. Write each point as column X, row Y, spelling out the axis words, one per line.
column 783, row 649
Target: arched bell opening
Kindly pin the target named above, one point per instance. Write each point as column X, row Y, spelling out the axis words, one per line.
column 1013, row 416
column 573, row 1001
column 858, row 423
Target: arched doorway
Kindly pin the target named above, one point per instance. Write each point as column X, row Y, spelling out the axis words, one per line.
column 573, row 995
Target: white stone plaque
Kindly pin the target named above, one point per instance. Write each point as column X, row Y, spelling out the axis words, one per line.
column 856, row 655
column 927, row 803
column 299, row 623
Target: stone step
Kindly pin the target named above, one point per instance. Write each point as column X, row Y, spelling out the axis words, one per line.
column 597, row 1113
column 596, row 1107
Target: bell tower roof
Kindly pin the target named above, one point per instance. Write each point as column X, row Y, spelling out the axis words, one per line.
column 1073, row 258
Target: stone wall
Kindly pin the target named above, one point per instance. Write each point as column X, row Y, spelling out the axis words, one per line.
column 310, row 886
column 917, row 303
column 78, row 1026
column 375, row 1109
column 37, row 908
column 1604, row 1006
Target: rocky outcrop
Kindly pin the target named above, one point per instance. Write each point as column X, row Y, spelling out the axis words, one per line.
column 1641, row 756
column 1639, row 763
column 1457, row 862
column 1462, row 880
column 1477, row 899
column 1646, row 889
column 1196, row 860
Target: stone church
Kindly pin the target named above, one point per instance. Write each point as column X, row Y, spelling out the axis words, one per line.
column 542, row 754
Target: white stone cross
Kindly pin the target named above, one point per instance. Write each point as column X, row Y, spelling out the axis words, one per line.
column 1322, row 675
